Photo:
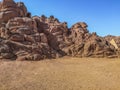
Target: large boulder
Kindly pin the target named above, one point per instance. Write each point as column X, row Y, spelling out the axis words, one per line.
column 6, row 52
column 9, row 9
column 115, row 38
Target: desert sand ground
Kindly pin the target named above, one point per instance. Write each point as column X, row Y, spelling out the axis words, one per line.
column 61, row 74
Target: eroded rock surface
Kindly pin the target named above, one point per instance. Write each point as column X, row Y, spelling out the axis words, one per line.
column 115, row 38
column 23, row 37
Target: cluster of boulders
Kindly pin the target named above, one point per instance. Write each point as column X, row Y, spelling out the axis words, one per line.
column 23, row 37
column 115, row 38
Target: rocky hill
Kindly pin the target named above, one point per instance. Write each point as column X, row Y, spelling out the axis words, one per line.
column 26, row 37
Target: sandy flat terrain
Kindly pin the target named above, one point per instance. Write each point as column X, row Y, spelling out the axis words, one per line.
column 61, row 74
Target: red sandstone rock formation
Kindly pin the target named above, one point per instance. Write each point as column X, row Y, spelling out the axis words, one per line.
column 23, row 37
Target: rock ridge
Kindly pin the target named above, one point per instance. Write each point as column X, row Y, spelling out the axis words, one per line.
column 26, row 37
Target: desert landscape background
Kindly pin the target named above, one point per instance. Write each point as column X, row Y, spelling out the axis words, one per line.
column 27, row 37
column 61, row 74
column 42, row 53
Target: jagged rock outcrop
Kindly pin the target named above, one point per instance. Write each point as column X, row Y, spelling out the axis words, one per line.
column 9, row 9
column 86, row 44
column 23, row 37
column 116, row 38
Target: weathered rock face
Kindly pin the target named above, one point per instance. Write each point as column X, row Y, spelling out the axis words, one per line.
column 34, row 38
column 22, row 35
column 9, row 9
column 116, row 38
column 86, row 44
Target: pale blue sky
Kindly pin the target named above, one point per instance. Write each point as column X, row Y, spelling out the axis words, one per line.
column 102, row 16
